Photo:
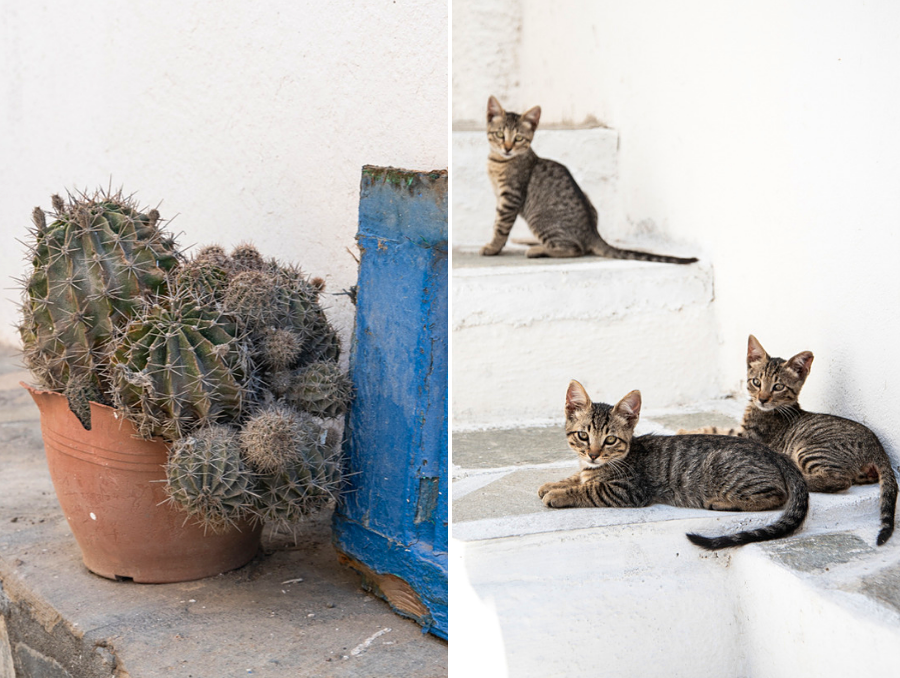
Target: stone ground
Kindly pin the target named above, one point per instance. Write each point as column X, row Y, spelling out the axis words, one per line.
column 292, row 611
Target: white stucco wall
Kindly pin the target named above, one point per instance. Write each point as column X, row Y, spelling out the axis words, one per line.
column 249, row 121
column 764, row 136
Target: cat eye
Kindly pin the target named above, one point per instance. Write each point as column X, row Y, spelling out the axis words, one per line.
column 756, row 382
column 610, row 440
column 499, row 135
column 519, row 137
column 778, row 387
column 582, row 435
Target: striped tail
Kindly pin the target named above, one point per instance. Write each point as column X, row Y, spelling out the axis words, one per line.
column 888, row 482
column 792, row 518
column 604, row 249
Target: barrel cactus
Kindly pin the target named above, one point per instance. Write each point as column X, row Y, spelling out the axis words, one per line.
column 303, row 486
column 177, row 366
column 321, row 389
column 92, row 268
column 277, row 436
column 208, row 478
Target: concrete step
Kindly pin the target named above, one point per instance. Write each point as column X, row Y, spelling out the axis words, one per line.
column 292, row 611
column 590, row 154
column 523, row 328
column 541, row 585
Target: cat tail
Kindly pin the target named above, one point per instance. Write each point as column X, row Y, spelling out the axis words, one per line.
column 792, row 518
column 888, row 482
column 601, row 248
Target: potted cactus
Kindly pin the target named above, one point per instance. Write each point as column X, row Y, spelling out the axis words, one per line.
column 184, row 401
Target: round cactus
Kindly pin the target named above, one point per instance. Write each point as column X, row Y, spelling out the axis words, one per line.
column 204, row 278
column 213, row 254
column 252, row 298
column 321, row 389
column 177, row 367
column 278, row 436
column 305, row 486
column 280, row 348
column 92, row 269
column 208, row 478
column 245, row 257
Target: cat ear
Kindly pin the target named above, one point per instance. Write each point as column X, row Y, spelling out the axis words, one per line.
column 629, row 407
column 755, row 351
column 532, row 116
column 576, row 398
column 801, row 363
column 494, row 108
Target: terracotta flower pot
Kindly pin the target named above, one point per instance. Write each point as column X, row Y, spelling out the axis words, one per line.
column 111, row 486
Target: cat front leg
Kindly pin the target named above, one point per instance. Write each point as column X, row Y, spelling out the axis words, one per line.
column 559, row 485
column 508, row 205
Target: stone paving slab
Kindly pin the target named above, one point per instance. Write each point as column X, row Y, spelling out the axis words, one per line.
column 292, row 611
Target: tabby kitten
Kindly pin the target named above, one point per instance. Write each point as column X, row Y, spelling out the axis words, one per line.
column 832, row 453
column 701, row 471
column 544, row 193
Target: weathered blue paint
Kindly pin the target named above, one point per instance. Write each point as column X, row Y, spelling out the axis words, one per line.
column 393, row 517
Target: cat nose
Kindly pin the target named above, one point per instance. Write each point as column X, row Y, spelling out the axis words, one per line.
column 764, row 398
column 593, row 454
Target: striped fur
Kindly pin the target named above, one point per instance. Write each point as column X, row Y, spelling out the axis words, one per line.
column 544, row 193
column 698, row 471
column 831, row 452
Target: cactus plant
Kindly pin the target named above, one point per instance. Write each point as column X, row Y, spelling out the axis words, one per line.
column 179, row 366
column 230, row 358
column 245, row 257
column 305, row 486
column 92, row 268
column 252, row 298
column 277, row 436
column 209, row 479
column 321, row 389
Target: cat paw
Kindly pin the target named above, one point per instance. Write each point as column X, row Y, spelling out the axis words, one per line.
column 544, row 489
column 490, row 250
column 555, row 499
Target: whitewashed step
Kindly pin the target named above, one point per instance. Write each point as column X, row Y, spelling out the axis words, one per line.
column 541, row 582
column 522, row 329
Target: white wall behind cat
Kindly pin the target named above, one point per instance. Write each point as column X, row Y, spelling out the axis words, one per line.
column 249, row 121
column 765, row 136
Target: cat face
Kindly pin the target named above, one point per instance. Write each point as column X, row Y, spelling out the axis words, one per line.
column 510, row 134
column 598, row 433
column 774, row 382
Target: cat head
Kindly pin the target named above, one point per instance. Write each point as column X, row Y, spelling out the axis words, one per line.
column 510, row 134
column 599, row 433
column 774, row 382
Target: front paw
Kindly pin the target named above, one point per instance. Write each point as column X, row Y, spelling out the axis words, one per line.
column 545, row 488
column 491, row 250
column 556, row 499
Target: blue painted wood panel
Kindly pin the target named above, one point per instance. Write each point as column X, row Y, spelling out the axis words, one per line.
column 393, row 516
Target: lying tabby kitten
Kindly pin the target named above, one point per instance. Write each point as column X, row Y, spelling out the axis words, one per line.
column 832, row 453
column 700, row 471
column 544, row 193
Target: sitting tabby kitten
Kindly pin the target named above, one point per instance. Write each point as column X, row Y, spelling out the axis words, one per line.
column 544, row 193
column 700, row 471
column 832, row 453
